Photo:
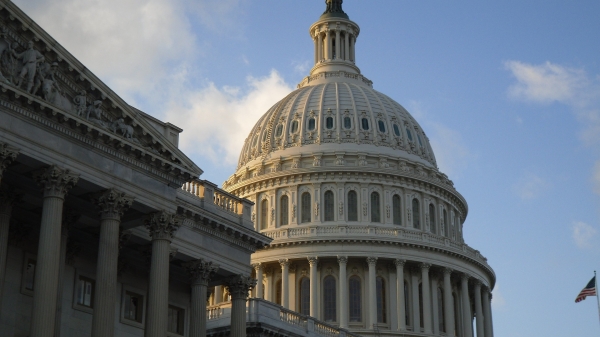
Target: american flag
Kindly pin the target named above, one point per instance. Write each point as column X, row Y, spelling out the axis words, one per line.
column 589, row 290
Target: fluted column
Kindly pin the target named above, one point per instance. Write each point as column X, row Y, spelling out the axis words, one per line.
column 448, row 305
column 372, row 295
column 466, row 306
column 487, row 312
column 56, row 183
column 426, row 297
column 478, row 309
column 346, row 46
column 313, row 261
column 338, row 44
column 285, row 283
column 201, row 272
column 320, row 47
column 327, row 44
column 343, row 286
column 239, row 286
column 259, row 277
column 401, row 307
column 162, row 227
column 352, row 48
column 416, row 315
column 7, row 155
column 7, row 199
column 69, row 217
column 316, row 41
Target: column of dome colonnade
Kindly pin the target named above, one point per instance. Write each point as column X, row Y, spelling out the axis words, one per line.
column 326, row 35
column 425, row 278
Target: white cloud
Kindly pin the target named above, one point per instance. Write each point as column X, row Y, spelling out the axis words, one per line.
column 498, row 300
column 530, row 186
column 583, row 234
column 596, row 177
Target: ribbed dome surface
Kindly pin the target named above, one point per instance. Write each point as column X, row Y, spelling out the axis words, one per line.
column 342, row 115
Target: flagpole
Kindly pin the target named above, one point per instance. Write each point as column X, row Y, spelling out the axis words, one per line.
column 597, row 295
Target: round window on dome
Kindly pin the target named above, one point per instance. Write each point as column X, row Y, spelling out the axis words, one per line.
column 409, row 134
column 365, row 123
column 329, row 123
column 279, row 130
column 396, row 130
column 311, row 124
column 347, row 123
column 381, row 126
column 294, row 127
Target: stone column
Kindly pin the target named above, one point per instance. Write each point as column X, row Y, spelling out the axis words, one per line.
column 313, row 261
column 238, row 287
column 316, row 40
column 466, row 306
column 352, row 48
column 401, row 306
column 68, row 219
column 478, row 309
column 435, row 317
column 112, row 205
column 343, row 286
column 327, row 45
column 426, row 297
column 162, row 227
column 448, row 305
column 285, row 283
column 416, row 315
column 56, row 183
column 338, row 44
column 487, row 312
column 201, row 272
column 269, row 294
column 7, row 155
column 320, row 47
column 346, row 46
column 218, row 294
column 259, row 277
column 7, row 199
column 372, row 294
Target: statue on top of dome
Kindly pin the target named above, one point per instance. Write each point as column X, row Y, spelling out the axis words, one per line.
column 334, row 6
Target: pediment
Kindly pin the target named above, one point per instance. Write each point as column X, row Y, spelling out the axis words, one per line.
column 41, row 77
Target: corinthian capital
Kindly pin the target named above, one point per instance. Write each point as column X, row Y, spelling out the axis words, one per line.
column 342, row 259
column 284, row 262
column 112, row 203
column 7, row 156
column 239, row 286
column 162, row 225
column 56, row 181
column 371, row 261
column 313, row 260
column 399, row 263
column 201, row 271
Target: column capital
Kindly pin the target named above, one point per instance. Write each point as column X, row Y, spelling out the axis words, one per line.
column 477, row 283
column 465, row 277
column 112, row 203
column 201, row 271
column 7, row 156
column 239, row 286
column 56, row 181
column 371, row 261
column 313, row 260
column 448, row 271
column 399, row 263
column 162, row 225
column 342, row 259
column 257, row 266
column 284, row 262
column 425, row 266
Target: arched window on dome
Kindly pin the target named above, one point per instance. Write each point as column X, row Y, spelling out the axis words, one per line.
column 305, row 216
column 355, row 304
column 255, row 141
column 397, row 210
column 416, row 214
column 446, row 224
column 304, row 296
column 381, row 126
column 380, row 294
column 406, row 304
column 264, row 214
column 419, row 138
column 396, row 130
column 375, row 207
column 441, row 318
column 294, row 127
column 409, row 134
column 312, row 123
column 432, row 224
column 347, row 122
column 329, row 206
column 352, row 206
column 329, row 123
column 278, row 286
column 283, row 210
column 279, row 130
column 365, row 123
column 329, row 299
column 421, row 305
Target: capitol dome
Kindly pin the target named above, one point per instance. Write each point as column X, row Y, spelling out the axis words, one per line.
column 367, row 232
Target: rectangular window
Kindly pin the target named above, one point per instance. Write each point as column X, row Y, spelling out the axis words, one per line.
column 85, row 292
column 133, row 307
column 176, row 320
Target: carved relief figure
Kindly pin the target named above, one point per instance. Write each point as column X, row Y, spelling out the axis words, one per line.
column 30, row 58
column 7, row 60
column 80, row 103
column 94, row 114
column 122, row 129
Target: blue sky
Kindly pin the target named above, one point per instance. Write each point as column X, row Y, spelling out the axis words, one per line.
column 507, row 91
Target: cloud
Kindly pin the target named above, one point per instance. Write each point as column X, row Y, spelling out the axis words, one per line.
column 498, row 300
column 218, row 120
column 583, row 234
column 530, row 186
column 596, row 178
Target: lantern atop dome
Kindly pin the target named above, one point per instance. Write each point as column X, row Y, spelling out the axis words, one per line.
column 334, row 9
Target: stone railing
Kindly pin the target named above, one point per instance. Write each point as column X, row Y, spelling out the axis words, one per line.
column 373, row 232
column 215, row 199
column 274, row 316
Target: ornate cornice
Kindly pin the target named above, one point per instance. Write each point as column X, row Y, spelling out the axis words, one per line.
column 162, row 225
column 56, row 181
column 201, row 271
column 112, row 203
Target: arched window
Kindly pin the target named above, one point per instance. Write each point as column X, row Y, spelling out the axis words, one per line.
column 352, row 206
column 381, row 126
column 441, row 318
column 355, row 299
column 397, row 210
column 278, row 292
column 409, row 134
column 419, row 138
column 283, row 210
column 311, row 124
column 375, row 208
column 446, row 224
column 365, row 123
column 294, row 127
column 406, row 304
column 347, row 123
column 329, row 296
column 279, row 130
column 329, row 123
column 304, row 296
column 329, row 206
column 396, row 130
column 305, row 207
column 421, row 305
column 416, row 212
column 380, row 289
column 264, row 214
column 432, row 227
